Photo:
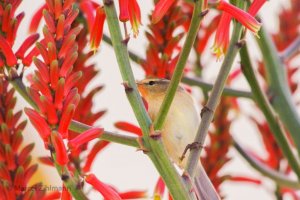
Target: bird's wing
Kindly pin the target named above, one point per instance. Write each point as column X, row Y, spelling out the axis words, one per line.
column 203, row 185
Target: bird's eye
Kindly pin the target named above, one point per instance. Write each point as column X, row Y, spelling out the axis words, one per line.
column 151, row 82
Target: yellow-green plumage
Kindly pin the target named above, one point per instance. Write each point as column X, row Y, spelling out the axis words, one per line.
column 182, row 120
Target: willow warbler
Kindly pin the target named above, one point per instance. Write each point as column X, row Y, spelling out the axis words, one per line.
column 179, row 129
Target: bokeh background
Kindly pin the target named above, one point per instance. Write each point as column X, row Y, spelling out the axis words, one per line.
column 126, row 168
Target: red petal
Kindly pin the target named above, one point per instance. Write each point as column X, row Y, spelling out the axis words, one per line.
column 106, row 191
column 39, row 123
column 160, row 10
column 125, row 126
column 65, row 120
column 36, row 19
column 6, row 49
column 93, row 153
column 26, row 45
column 85, row 137
column 60, row 149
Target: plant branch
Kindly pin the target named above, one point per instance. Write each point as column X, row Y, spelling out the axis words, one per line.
column 261, row 100
column 207, row 112
column 265, row 170
column 208, row 87
column 197, row 17
column 155, row 147
column 291, row 50
column 279, row 92
column 133, row 56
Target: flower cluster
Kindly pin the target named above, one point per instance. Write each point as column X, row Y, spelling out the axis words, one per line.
column 16, row 169
column 163, row 49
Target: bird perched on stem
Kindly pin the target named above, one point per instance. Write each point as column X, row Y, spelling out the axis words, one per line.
column 179, row 129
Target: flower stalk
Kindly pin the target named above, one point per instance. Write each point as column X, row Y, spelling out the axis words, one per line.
column 207, row 112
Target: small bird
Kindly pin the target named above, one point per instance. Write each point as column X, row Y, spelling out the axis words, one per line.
column 180, row 127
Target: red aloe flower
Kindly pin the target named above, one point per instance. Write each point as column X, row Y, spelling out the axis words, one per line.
column 85, row 137
column 134, row 16
column 60, row 149
column 124, row 12
column 128, row 127
column 16, row 169
column 222, row 35
column 160, row 10
column 97, row 30
column 243, row 17
column 106, row 191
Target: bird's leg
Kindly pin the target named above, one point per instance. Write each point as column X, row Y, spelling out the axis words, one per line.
column 141, row 145
column 154, row 134
column 194, row 145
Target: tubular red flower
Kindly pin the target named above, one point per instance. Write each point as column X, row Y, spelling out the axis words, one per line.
column 66, row 120
column 36, row 19
column 60, row 149
column 6, row 49
column 49, row 21
column 85, row 137
column 67, row 44
column 88, row 9
column 124, row 12
column 43, row 69
column 26, row 45
column 133, row 195
column 106, row 191
column 134, row 16
column 59, row 95
column 222, row 35
column 255, row 6
column 50, row 111
column 97, row 30
column 57, row 8
column 243, row 17
column 159, row 188
column 68, row 64
column 125, row 126
column 160, row 10
column 39, row 123
column 93, row 153
column 60, row 28
column 54, row 74
column 7, row 15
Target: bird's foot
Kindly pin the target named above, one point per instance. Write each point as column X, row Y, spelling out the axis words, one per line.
column 154, row 134
column 194, row 145
column 141, row 145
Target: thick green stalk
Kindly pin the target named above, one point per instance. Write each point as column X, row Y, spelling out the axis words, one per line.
column 280, row 94
column 198, row 15
column 207, row 112
column 265, row 170
column 208, row 87
column 156, row 152
column 264, row 105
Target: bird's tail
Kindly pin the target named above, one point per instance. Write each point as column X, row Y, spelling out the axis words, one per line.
column 203, row 186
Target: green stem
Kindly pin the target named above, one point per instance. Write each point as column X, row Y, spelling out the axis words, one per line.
column 263, row 103
column 156, row 152
column 214, row 98
column 208, row 87
column 69, row 182
column 133, row 56
column 265, row 170
column 178, row 72
column 280, row 94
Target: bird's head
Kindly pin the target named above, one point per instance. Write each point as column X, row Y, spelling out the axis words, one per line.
column 153, row 87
